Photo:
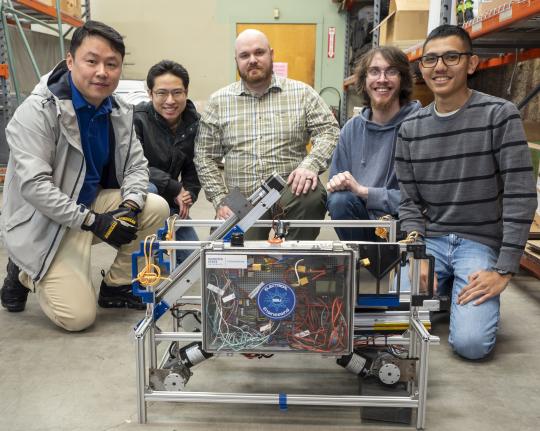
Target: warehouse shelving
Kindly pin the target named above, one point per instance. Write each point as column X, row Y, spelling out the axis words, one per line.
column 22, row 14
column 44, row 12
column 501, row 31
column 503, row 35
column 349, row 6
column 27, row 12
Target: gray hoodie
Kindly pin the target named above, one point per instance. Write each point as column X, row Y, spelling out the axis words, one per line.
column 366, row 150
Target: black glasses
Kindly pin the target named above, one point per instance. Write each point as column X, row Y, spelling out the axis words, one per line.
column 375, row 72
column 448, row 58
column 164, row 94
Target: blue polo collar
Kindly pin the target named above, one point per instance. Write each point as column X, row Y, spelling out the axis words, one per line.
column 80, row 102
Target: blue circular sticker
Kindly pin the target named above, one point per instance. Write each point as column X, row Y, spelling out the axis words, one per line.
column 276, row 300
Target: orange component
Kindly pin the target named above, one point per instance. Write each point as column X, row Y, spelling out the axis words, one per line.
column 4, row 71
column 500, row 18
column 503, row 16
column 528, row 54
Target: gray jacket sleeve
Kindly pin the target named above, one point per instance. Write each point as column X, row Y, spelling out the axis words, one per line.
column 134, row 185
column 32, row 135
column 383, row 199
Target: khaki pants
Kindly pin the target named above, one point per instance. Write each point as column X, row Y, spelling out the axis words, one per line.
column 65, row 293
column 311, row 206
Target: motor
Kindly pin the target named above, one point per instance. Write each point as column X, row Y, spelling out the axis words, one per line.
column 177, row 370
column 389, row 369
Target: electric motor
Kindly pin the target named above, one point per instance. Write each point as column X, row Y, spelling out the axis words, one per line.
column 355, row 363
column 193, row 354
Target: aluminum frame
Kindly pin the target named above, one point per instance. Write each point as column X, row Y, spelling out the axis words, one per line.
column 416, row 337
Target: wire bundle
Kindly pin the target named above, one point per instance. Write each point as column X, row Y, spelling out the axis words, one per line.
column 150, row 275
column 319, row 322
column 319, row 326
column 232, row 331
column 169, row 236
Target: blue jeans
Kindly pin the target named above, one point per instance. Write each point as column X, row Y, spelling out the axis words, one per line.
column 347, row 206
column 185, row 233
column 473, row 328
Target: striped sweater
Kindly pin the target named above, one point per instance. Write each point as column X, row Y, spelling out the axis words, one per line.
column 470, row 174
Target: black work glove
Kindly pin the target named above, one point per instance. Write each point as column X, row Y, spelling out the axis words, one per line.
column 129, row 216
column 116, row 227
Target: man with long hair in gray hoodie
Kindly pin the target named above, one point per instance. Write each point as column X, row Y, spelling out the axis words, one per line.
column 363, row 183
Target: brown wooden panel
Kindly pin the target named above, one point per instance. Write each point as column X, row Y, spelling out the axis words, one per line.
column 293, row 44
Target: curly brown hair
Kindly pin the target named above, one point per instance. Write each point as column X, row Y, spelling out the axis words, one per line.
column 395, row 58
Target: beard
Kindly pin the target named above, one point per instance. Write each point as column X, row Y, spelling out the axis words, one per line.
column 265, row 75
column 383, row 105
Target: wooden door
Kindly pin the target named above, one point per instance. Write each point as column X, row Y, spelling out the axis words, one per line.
column 293, row 44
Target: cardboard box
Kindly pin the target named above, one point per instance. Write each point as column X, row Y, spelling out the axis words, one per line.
column 407, row 21
column 534, row 233
column 487, row 5
column 70, row 7
column 532, row 130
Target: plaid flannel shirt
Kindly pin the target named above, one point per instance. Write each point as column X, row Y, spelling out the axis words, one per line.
column 258, row 135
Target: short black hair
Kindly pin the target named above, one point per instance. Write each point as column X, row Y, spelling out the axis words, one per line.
column 447, row 30
column 167, row 66
column 96, row 28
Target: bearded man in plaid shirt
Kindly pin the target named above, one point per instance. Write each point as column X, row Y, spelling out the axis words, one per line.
column 262, row 124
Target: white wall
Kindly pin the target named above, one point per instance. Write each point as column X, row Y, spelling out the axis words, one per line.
column 200, row 35
column 184, row 31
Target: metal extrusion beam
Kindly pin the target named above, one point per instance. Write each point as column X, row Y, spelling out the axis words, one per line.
column 292, row 399
column 418, row 339
column 188, row 272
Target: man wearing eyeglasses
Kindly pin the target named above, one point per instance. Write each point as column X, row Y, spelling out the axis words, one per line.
column 363, row 183
column 262, row 124
column 467, row 187
column 166, row 127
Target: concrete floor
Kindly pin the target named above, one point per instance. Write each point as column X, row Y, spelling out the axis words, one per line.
column 53, row 380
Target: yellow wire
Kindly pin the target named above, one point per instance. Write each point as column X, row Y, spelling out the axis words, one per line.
column 150, row 275
column 412, row 237
column 382, row 232
column 170, row 227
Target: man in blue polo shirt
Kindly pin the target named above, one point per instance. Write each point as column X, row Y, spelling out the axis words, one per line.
column 76, row 176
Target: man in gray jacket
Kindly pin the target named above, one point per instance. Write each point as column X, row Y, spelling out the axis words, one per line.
column 76, row 175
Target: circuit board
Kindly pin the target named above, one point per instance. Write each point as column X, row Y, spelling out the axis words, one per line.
column 269, row 302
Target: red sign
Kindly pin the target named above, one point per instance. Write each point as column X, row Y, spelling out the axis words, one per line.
column 331, row 42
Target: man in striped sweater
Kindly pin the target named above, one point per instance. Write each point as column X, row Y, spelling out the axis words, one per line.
column 467, row 187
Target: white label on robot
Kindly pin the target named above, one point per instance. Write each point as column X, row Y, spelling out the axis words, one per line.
column 302, row 334
column 266, row 327
column 214, row 289
column 235, row 261
column 229, row 297
column 254, row 292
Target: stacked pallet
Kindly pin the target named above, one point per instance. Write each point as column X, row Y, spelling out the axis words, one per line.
column 531, row 257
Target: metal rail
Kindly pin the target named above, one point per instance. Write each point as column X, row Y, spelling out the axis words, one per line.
column 417, row 338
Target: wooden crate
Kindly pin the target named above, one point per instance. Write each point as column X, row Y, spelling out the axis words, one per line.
column 69, row 7
column 531, row 258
